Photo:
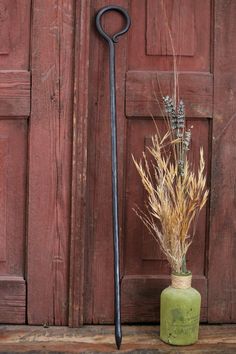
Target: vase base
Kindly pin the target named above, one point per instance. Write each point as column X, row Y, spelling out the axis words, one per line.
column 179, row 343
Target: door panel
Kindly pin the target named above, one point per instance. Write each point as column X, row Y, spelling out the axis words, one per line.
column 13, row 159
column 158, row 41
column 14, row 111
column 15, row 34
column 151, row 23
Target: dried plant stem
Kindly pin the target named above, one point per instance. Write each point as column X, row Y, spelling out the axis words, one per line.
column 175, row 193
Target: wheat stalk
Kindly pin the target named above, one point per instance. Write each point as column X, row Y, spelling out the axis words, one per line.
column 175, row 192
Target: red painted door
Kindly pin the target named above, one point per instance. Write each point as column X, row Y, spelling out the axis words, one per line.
column 14, row 112
column 36, row 66
column 145, row 68
column 146, row 272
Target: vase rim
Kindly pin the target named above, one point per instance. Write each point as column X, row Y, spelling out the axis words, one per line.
column 188, row 274
column 181, row 281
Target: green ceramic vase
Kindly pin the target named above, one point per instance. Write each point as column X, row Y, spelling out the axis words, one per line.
column 180, row 312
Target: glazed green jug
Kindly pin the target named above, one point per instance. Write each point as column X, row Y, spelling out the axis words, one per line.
column 180, row 311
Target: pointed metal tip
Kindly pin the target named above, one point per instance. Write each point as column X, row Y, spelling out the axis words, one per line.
column 118, row 341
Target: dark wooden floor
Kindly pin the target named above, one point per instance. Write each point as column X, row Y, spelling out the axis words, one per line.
column 99, row 339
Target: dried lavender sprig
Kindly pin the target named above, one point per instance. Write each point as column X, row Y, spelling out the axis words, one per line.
column 170, row 110
column 177, row 122
column 181, row 167
column 181, row 115
column 186, row 140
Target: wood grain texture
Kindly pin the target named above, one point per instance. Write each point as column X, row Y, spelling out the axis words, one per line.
column 79, row 165
column 15, row 94
column 14, row 109
column 13, row 159
column 144, row 91
column 139, row 37
column 4, row 27
column 13, row 152
column 4, row 141
column 15, row 34
column 222, row 253
column 141, row 297
column 50, row 161
column 100, row 339
column 167, row 24
column 12, row 300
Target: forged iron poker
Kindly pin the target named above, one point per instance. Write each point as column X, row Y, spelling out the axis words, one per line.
column 111, row 42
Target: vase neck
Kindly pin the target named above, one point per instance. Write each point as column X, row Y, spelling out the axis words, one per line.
column 181, row 281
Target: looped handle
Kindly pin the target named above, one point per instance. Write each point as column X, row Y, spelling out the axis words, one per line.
column 105, row 9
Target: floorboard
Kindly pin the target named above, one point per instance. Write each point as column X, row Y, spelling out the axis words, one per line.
column 100, row 339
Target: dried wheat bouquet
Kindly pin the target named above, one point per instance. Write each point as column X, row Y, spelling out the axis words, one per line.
column 175, row 192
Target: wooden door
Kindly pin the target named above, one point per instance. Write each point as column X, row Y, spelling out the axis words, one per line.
column 14, row 115
column 146, row 272
column 144, row 68
column 36, row 65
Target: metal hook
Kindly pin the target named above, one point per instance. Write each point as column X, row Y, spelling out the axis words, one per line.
column 105, row 9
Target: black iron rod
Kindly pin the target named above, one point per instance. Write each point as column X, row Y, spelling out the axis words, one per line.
column 111, row 41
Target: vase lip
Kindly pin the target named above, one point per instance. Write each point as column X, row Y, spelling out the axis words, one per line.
column 188, row 274
column 181, row 281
